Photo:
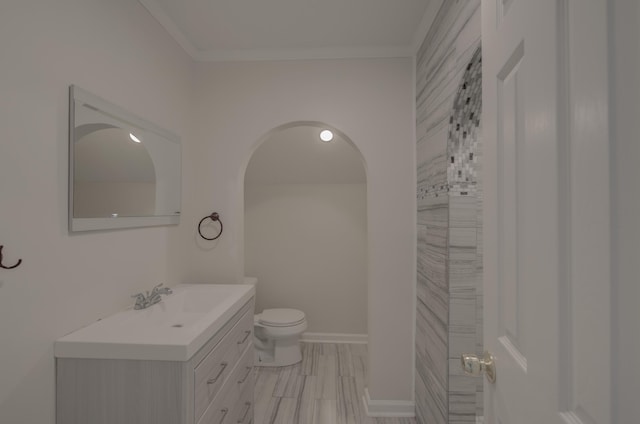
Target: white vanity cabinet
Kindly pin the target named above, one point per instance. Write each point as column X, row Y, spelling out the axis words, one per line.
column 214, row 386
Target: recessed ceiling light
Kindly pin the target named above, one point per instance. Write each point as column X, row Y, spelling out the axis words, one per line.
column 326, row 136
column 134, row 138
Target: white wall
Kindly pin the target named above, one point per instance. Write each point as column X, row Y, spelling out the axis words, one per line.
column 307, row 243
column 117, row 51
column 114, row 49
column 625, row 125
column 371, row 102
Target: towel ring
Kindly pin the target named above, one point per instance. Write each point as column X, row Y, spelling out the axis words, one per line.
column 214, row 217
column 17, row 264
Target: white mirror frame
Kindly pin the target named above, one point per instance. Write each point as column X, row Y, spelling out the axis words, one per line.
column 107, row 223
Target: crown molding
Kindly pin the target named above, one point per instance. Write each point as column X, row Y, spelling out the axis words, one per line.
column 341, row 52
column 167, row 23
column 303, row 54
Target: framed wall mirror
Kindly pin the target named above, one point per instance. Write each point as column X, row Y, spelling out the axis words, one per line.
column 124, row 171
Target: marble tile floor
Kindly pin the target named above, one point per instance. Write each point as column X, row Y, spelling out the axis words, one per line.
column 325, row 388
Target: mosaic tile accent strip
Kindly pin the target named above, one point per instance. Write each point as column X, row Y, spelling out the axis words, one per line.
column 432, row 191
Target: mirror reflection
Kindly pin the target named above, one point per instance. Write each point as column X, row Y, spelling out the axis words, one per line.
column 124, row 171
column 114, row 175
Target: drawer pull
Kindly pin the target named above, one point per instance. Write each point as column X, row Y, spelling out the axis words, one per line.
column 246, row 375
column 214, row 379
column 247, row 333
column 224, row 411
column 246, row 411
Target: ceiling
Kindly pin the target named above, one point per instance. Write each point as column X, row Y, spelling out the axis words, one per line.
column 225, row 30
column 297, row 156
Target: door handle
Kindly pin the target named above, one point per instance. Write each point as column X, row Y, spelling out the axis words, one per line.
column 472, row 365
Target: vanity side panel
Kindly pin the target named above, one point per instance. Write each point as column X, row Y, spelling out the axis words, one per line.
column 107, row 391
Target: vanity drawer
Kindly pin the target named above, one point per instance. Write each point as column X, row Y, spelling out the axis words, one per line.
column 211, row 374
column 243, row 374
column 226, row 407
column 243, row 333
column 214, row 369
column 244, row 408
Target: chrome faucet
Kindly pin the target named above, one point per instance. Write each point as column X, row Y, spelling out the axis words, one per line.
column 144, row 301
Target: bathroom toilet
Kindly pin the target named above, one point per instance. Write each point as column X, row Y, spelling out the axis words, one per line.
column 277, row 335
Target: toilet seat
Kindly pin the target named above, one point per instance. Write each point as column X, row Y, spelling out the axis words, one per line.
column 281, row 317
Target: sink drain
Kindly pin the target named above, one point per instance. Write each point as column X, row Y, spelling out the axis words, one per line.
column 177, row 325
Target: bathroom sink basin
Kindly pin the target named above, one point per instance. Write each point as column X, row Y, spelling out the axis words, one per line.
column 173, row 329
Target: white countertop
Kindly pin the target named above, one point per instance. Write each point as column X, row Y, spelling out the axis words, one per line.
column 171, row 330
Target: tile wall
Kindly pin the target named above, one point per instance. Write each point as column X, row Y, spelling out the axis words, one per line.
column 449, row 298
column 464, row 263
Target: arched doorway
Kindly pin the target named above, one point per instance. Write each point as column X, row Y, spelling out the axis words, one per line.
column 305, row 229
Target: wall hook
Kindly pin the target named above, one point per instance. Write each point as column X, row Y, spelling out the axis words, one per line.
column 17, row 264
column 214, row 217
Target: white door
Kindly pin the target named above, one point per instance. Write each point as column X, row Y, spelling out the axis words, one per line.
column 547, row 284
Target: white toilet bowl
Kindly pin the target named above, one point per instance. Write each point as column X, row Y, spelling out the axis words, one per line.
column 277, row 337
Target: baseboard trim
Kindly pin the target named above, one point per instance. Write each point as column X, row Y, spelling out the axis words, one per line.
column 334, row 338
column 388, row 408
